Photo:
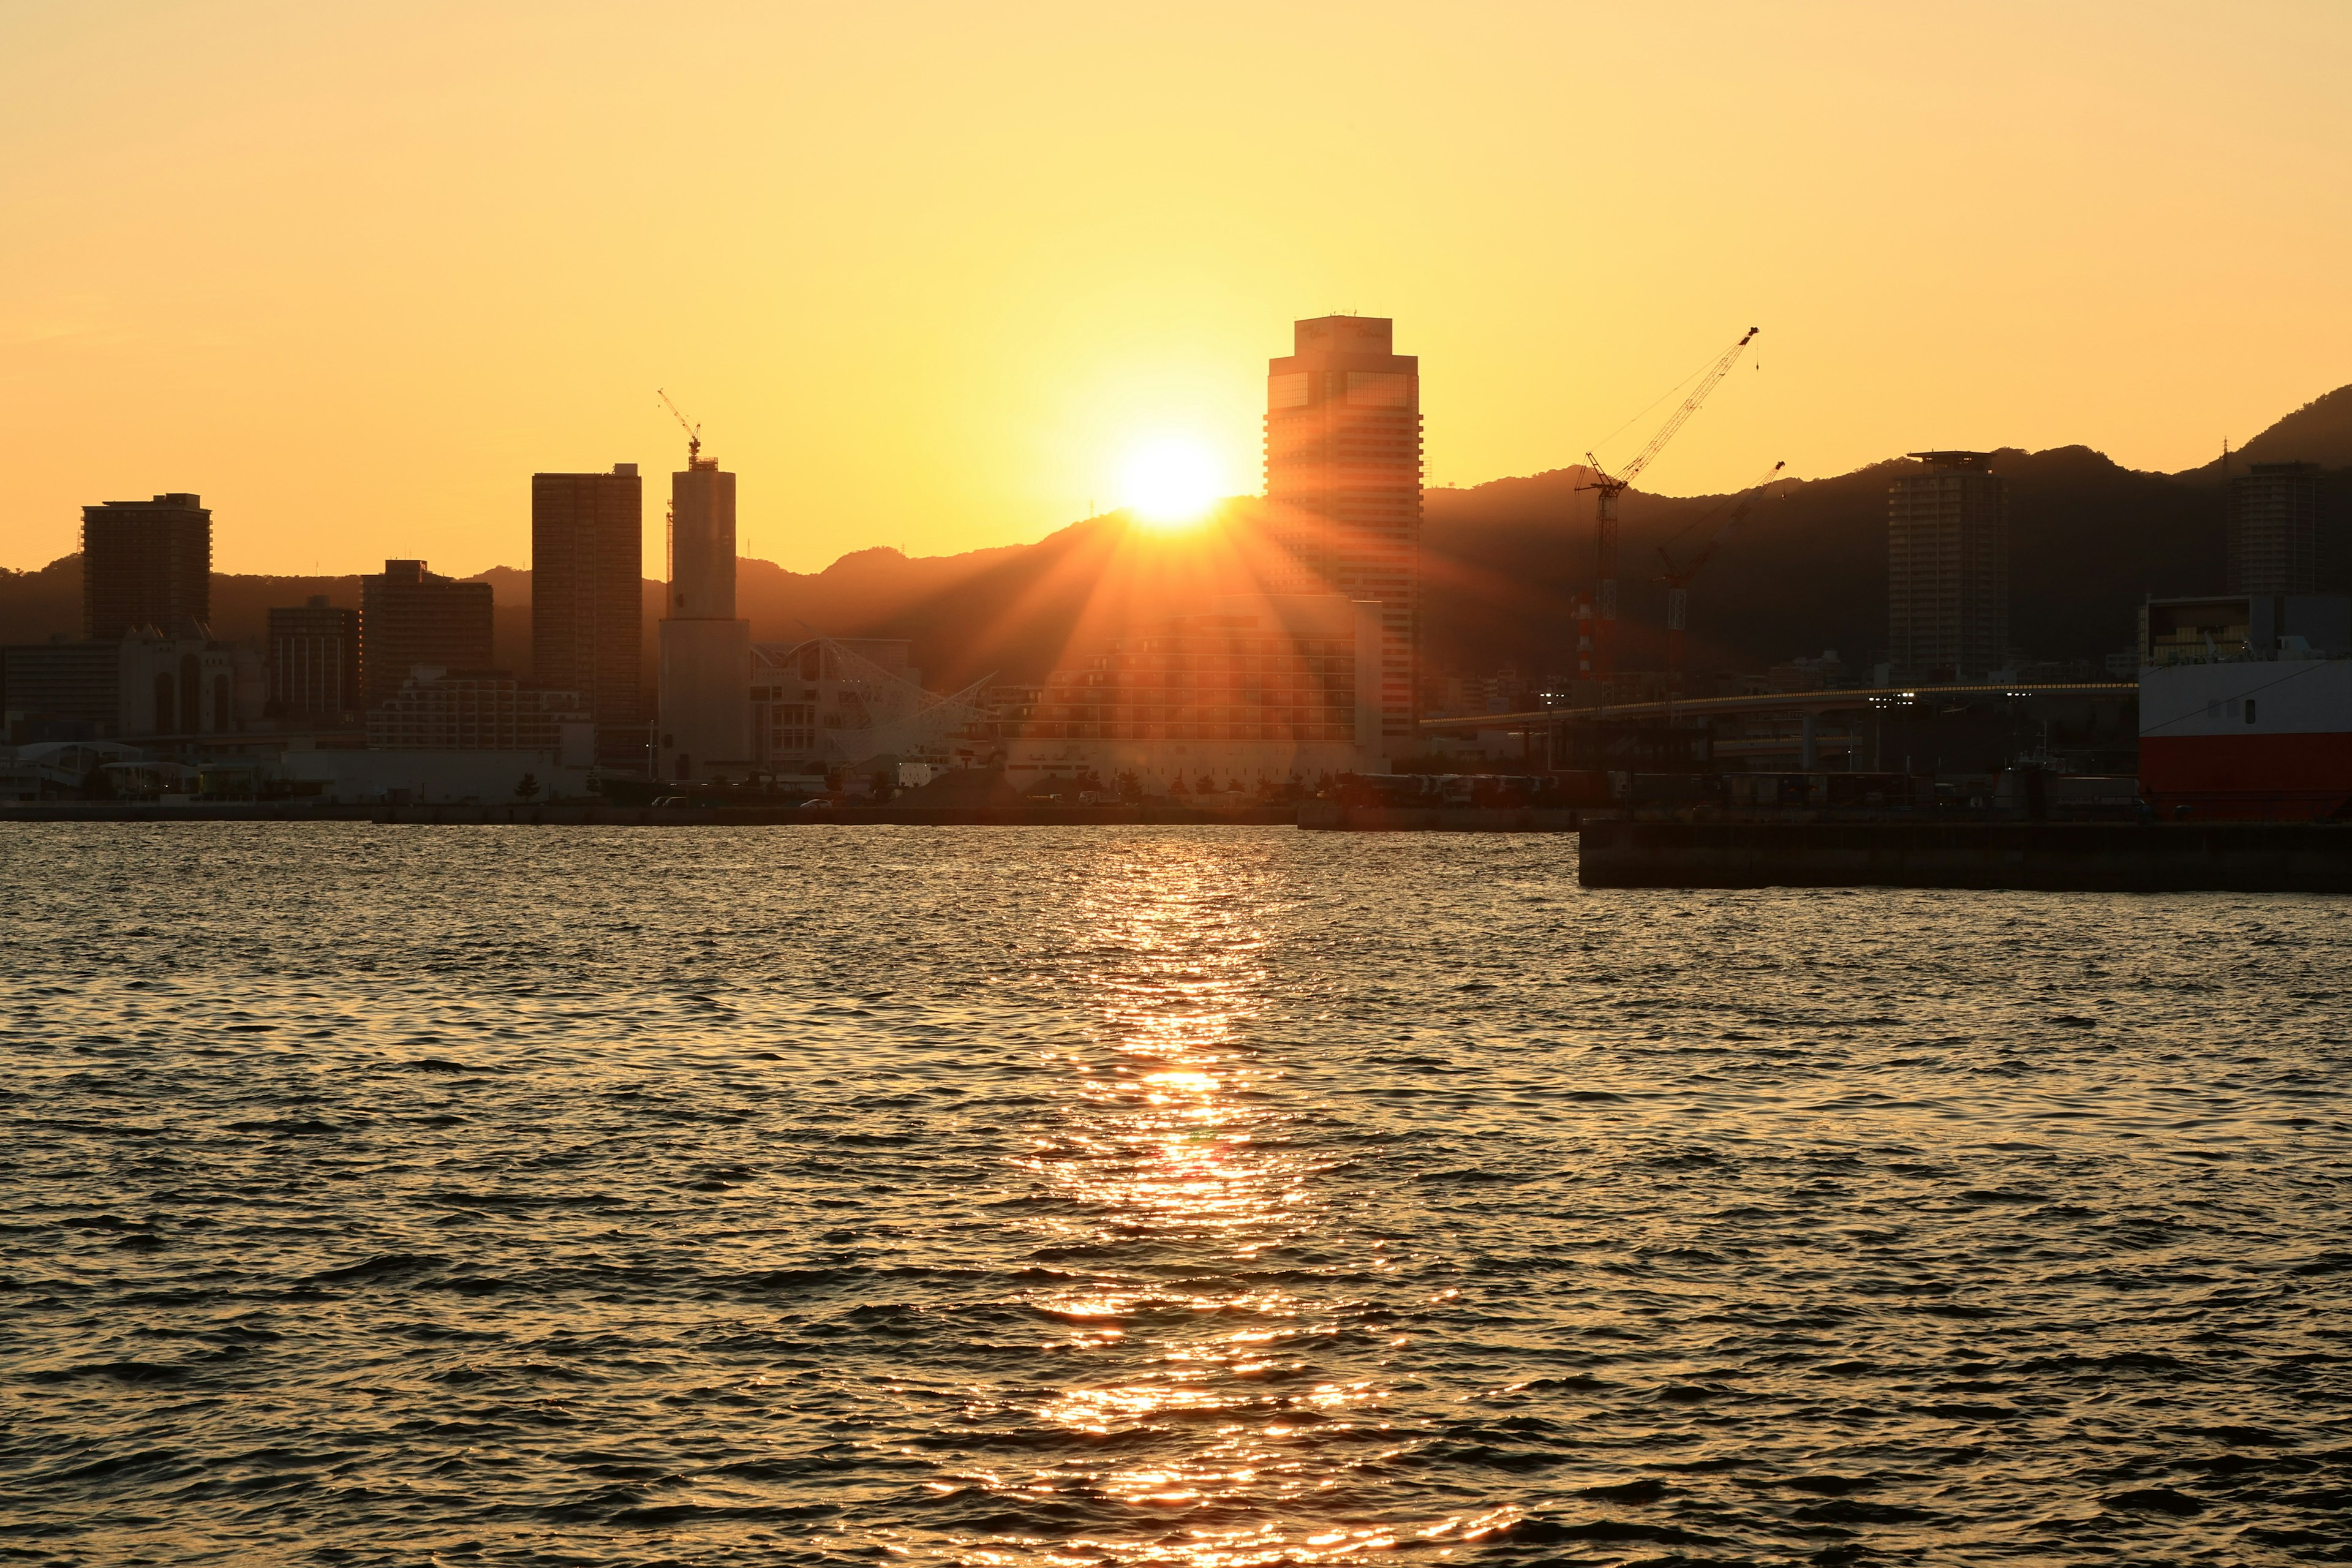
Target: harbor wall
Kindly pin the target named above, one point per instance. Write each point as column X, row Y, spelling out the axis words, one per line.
column 2064, row 856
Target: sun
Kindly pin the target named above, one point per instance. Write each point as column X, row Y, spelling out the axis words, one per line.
column 1171, row 482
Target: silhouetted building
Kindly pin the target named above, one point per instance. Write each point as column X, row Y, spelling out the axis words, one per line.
column 1343, row 487
column 146, row 564
column 1947, row 568
column 409, row 617
column 143, row 684
column 704, row 727
column 2274, row 528
column 314, row 662
column 61, row 690
column 189, row 686
column 587, row 603
column 440, row 710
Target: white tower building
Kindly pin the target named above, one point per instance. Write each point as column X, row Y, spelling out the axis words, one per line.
column 704, row 730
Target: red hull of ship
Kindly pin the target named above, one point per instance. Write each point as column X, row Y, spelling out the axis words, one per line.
column 2251, row 777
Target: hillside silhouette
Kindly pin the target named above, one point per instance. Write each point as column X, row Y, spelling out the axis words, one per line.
column 1502, row 564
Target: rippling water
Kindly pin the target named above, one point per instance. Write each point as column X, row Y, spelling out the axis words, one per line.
column 1152, row 1197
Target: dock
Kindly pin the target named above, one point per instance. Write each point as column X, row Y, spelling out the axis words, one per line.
column 2088, row 857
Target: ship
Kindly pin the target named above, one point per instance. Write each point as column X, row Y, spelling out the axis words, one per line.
column 2245, row 708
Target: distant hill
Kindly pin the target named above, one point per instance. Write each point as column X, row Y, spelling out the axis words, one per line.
column 1502, row 564
column 2318, row 432
column 1808, row 570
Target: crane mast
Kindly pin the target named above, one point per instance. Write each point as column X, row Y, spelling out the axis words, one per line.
column 1597, row 618
column 1679, row 572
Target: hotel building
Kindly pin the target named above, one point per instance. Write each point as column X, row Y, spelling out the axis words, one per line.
column 1343, row 491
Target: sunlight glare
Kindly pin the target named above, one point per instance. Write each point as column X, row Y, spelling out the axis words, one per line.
column 1171, row 482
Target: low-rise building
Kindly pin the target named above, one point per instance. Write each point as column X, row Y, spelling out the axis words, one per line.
column 1257, row 692
column 143, row 684
column 439, row 709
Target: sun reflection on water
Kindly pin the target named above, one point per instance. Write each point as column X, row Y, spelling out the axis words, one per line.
column 1184, row 1208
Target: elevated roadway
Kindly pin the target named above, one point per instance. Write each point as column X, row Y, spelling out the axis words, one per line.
column 1767, row 703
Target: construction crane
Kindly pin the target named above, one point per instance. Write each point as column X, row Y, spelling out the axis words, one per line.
column 693, row 431
column 1597, row 650
column 1712, row 532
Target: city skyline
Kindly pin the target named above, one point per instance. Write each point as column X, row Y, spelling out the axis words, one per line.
column 275, row 283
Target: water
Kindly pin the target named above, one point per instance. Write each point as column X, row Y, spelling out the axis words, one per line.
column 1149, row 1196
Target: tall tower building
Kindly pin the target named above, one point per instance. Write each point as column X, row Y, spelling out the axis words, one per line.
column 1343, row 487
column 587, row 605
column 146, row 564
column 2274, row 530
column 703, row 730
column 410, row 616
column 1947, row 568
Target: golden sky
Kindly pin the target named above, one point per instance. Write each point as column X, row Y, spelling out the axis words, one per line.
column 930, row 273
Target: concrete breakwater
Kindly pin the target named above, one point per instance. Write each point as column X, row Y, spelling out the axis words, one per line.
column 2251, row 858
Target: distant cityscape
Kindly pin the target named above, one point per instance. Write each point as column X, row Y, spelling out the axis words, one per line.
column 1313, row 671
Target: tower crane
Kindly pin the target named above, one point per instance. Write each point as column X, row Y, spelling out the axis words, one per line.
column 693, row 432
column 1710, row 535
column 1606, row 486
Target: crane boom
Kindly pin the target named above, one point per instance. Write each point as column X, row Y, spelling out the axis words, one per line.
column 693, row 432
column 1676, row 420
column 1601, row 658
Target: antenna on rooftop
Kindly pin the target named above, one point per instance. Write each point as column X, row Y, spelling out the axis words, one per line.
column 693, row 432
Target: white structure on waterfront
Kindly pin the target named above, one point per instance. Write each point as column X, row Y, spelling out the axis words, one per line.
column 841, row 701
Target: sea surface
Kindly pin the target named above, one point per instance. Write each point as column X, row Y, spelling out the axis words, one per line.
column 1106, row 1196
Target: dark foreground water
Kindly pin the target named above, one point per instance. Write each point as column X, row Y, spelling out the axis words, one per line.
column 1222, row 1196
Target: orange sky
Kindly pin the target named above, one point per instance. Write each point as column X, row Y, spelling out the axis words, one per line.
column 928, row 273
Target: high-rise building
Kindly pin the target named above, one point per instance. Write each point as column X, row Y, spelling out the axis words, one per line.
column 703, row 730
column 1947, row 568
column 146, row 564
column 1343, row 489
column 587, row 605
column 409, row 617
column 314, row 662
column 2274, row 530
